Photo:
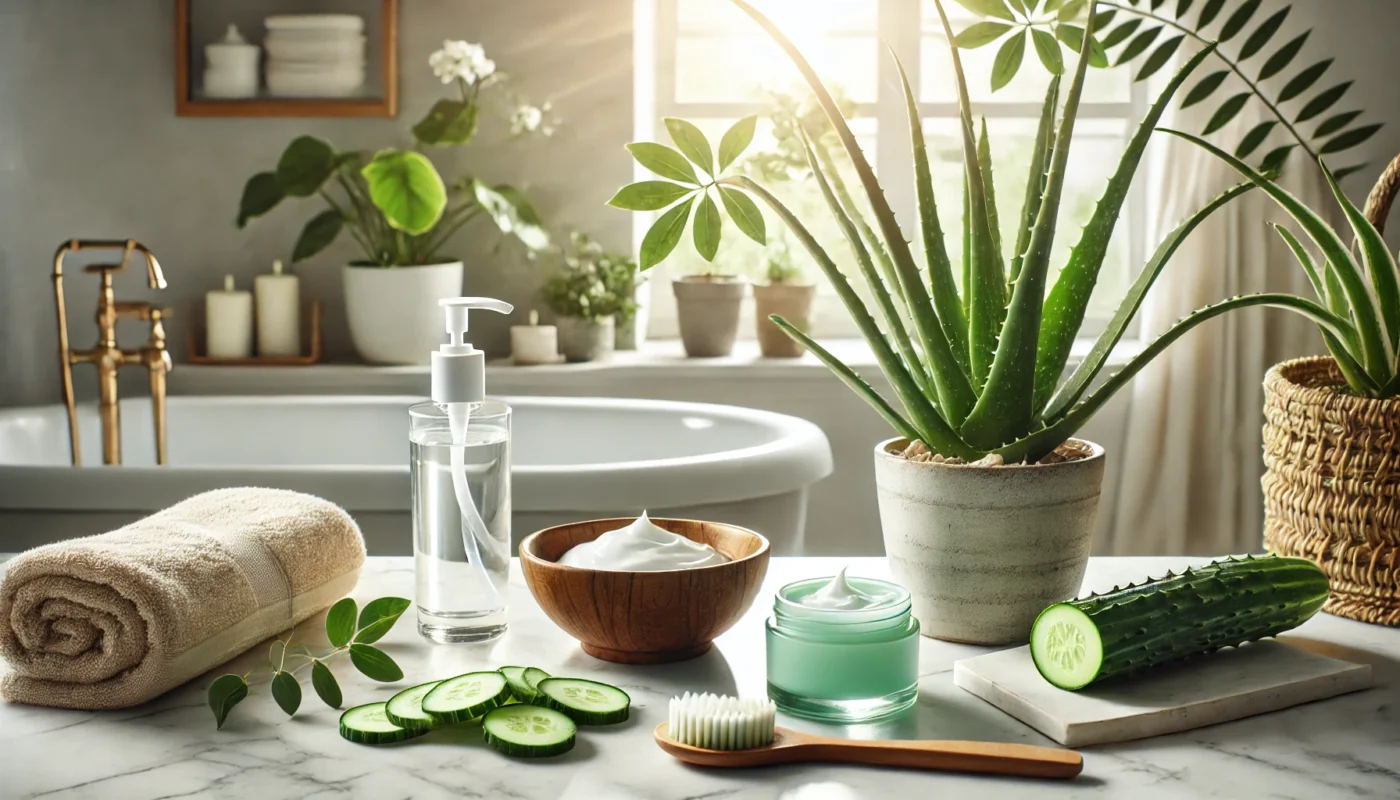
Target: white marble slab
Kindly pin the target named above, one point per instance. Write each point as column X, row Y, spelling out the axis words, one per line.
column 1345, row 747
column 1227, row 685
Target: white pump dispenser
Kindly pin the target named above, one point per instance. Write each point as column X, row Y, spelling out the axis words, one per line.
column 458, row 369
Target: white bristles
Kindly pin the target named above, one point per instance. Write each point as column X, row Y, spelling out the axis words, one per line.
column 719, row 722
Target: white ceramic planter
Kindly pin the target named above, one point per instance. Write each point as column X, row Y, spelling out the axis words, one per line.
column 585, row 339
column 393, row 312
column 707, row 309
column 983, row 550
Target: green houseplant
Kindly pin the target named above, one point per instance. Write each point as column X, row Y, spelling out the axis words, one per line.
column 976, row 363
column 400, row 212
column 592, row 292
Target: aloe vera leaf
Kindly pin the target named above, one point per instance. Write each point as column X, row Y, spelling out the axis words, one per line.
column 1068, row 299
column 849, row 377
column 1332, row 297
column 1004, row 411
column 921, row 311
column 940, row 270
column 967, row 254
column 1084, row 374
column 933, row 430
column 1035, row 180
column 1035, row 446
column 1377, row 354
column 984, row 162
column 872, row 240
column 1380, row 264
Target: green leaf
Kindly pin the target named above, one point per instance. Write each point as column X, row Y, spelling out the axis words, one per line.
column 1335, row 123
column 448, row 122
column 744, row 211
column 318, row 234
column 1035, row 179
column 1205, row 88
column 340, row 622
column 692, row 143
column 1380, row 266
column 1254, row 138
column 1209, row 12
column 707, row 227
column 511, row 213
column 664, row 235
column 736, row 140
column 1238, row 20
column 1263, row 33
column 981, row 33
column 1048, row 48
column 1120, row 34
column 649, row 195
column 1071, row 10
column 1283, row 56
column 287, row 692
column 1159, row 57
column 374, row 663
column 1323, row 101
column 1073, row 36
column 1008, row 61
column 988, row 8
column 406, row 189
column 1051, row 6
column 1226, row 112
column 226, row 692
column 305, row 165
column 379, row 616
column 1104, row 18
column 261, row 194
column 663, row 161
column 1303, row 81
column 326, row 686
column 1182, row 6
column 1350, row 139
column 1274, row 160
column 1340, row 174
column 1022, row 6
column 1138, row 45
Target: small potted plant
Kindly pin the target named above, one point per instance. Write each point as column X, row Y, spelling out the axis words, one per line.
column 590, row 292
column 786, row 294
column 401, row 213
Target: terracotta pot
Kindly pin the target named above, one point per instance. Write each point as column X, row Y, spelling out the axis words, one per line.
column 983, row 550
column 585, row 339
column 792, row 302
column 393, row 312
column 707, row 307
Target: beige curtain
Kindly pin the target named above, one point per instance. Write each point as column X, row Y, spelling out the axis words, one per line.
column 1191, row 463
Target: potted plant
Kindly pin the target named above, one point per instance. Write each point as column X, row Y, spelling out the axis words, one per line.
column 589, row 294
column 401, row 213
column 987, row 502
column 786, row 294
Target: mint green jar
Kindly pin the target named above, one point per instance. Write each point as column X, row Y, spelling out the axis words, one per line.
column 842, row 665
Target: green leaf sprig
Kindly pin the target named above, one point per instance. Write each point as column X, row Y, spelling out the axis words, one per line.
column 349, row 629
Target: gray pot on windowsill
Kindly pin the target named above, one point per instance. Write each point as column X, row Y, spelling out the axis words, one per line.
column 707, row 309
column 791, row 301
column 585, row 339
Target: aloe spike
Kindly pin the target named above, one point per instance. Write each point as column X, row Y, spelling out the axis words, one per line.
column 1380, row 264
column 1335, row 302
column 1035, row 446
column 1065, row 306
column 1088, row 369
column 934, row 431
column 942, row 287
column 967, row 258
column 1035, row 180
column 986, row 287
column 1005, row 408
column 849, row 377
column 984, row 162
column 1377, row 354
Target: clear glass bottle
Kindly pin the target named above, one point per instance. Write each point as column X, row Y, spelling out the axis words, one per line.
column 842, row 665
column 461, row 521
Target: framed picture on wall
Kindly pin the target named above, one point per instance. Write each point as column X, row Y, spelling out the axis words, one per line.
column 274, row 58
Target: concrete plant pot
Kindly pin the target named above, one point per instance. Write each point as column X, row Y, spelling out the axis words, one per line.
column 792, row 302
column 585, row 339
column 707, row 308
column 983, row 550
column 393, row 312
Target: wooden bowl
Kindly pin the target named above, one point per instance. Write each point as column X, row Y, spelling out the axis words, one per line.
column 645, row 617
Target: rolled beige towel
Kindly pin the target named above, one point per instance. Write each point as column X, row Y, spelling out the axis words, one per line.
column 111, row 621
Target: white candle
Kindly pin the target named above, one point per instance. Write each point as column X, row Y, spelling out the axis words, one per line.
column 534, row 343
column 278, row 299
column 228, row 322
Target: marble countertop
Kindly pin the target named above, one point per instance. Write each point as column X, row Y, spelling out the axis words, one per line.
column 1344, row 747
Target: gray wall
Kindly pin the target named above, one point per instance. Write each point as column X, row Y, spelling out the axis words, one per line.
column 90, row 147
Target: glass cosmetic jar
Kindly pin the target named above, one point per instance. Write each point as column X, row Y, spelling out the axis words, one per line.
column 843, row 665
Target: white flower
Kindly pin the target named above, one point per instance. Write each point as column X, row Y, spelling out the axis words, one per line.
column 461, row 60
column 532, row 119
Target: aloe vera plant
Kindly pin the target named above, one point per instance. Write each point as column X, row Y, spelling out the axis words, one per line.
column 977, row 367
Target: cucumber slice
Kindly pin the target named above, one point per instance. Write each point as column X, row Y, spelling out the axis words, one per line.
column 466, row 697
column 533, row 676
column 585, row 702
column 1066, row 648
column 369, row 724
column 528, row 731
column 519, row 687
column 405, row 709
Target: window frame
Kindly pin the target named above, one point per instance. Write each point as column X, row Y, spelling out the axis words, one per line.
column 900, row 24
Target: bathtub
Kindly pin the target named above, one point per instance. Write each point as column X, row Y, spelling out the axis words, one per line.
column 572, row 459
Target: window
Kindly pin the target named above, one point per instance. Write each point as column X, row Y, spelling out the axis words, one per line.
column 705, row 61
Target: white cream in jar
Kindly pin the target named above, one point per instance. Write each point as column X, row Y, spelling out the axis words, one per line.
column 840, row 595
column 641, row 547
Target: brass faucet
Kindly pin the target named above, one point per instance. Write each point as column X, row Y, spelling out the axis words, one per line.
column 106, row 355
